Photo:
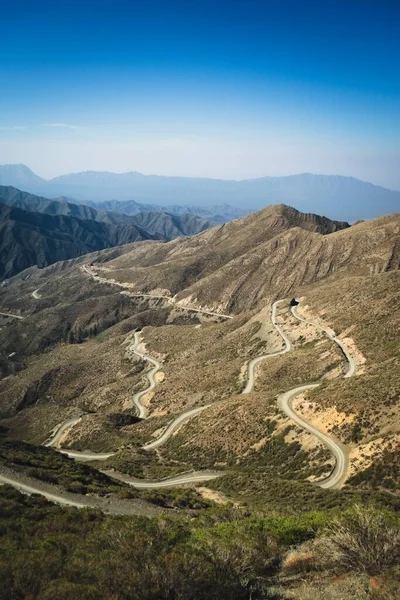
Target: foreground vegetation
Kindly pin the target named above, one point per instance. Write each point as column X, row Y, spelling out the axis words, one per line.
column 50, row 552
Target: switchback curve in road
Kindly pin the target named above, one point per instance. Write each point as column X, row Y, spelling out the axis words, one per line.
column 185, row 478
column 337, row 448
column 4, row 314
column 284, row 402
column 351, row 370
column 86, row 456
column 55, row 438
column 255, row 361
column 170, row 299
column 141, row 409
column 173, row 426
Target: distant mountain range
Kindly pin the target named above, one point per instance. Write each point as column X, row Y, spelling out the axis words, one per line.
column 111, row 196
column 38, row 231
column 30, row 238
column 217, row 213
column 334, row 196
column 160, row 224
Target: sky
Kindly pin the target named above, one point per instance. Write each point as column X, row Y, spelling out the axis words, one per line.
column 230, row 89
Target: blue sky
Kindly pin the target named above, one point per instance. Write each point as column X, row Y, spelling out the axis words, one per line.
column 229, row 89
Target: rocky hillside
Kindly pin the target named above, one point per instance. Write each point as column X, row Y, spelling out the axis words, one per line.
column 30, row 238
column 159, row 223
column 241, row 264
column 42, row 231
column 346, row 276
column 234, row 261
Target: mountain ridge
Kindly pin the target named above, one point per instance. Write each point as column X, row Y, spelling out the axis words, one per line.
column 39, row 231
column 335, row 195
column 30, row 238
column 236, row 266
column 174, row 225
column 345, row 278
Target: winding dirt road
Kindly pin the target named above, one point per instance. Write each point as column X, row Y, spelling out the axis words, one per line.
column 331, row 334
column 338, row 449
column 82, row 456
column 63, row 428
column 284, row 402
column 255, row 361
column 29, row 485
column 187, row 415
column 163, row 483
column 4, row 314
column 141, row 409
column 170, row 299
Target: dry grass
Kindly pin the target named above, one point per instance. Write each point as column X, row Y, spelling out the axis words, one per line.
column 352, row 587
column 299, row 560
column 365, row 540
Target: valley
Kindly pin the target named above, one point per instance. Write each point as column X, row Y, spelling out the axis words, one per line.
column 200, row 300
column 39, row 231
column 284, row 403
column 202, row 360
column 178, row 382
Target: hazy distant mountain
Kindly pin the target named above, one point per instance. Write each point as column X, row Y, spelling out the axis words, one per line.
column 218, row 213
column 29, row 238
column 20, row 176
column 335, row 196
column 159, row 224
column 38, row 231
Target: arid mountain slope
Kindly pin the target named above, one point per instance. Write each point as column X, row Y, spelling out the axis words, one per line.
column 68, row 355
column 30, row 238
column 39, row 231
column 157, row 223
column 240, row 265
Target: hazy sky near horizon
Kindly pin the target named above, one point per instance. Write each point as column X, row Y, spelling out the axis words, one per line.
column 224, row 88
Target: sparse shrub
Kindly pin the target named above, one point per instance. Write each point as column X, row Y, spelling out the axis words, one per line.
column 363, row 540
column 354, row 587
column 300, row 560
column 76, row 487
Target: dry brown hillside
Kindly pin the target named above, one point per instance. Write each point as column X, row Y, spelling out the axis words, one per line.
column 242, row 264
column 68, row 355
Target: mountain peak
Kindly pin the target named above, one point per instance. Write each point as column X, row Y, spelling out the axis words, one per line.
column 295, row 218
column 337, row 196
column 19, row 175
